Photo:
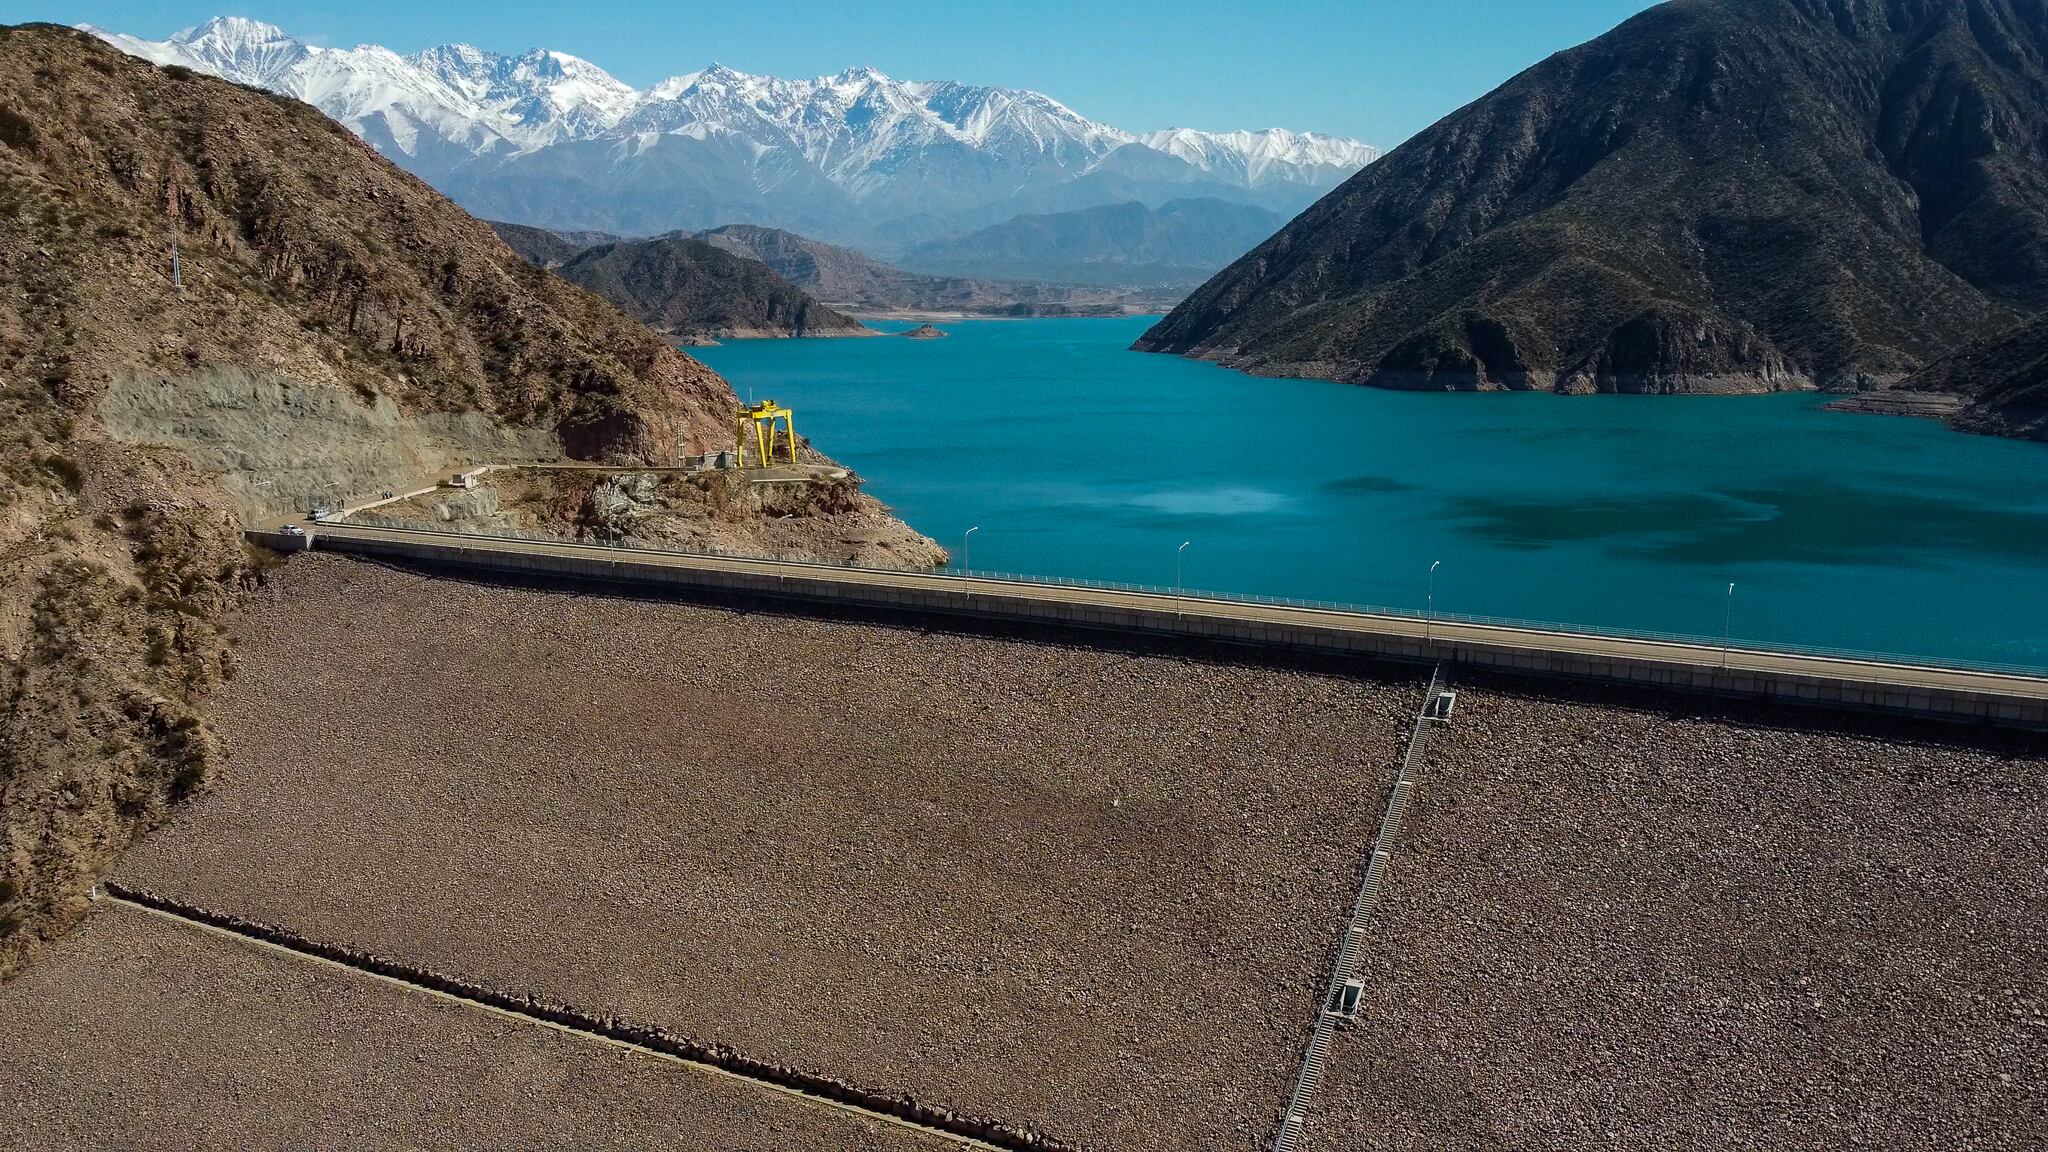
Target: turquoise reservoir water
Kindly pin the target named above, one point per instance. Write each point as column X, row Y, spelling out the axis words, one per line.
column 1078, row 458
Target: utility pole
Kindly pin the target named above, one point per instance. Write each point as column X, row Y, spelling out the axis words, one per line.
column 177, row 272
column 1727, row 625
column 1429, row 605
column 1179, row 586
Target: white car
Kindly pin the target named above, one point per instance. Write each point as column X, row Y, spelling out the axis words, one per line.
column 292, row 530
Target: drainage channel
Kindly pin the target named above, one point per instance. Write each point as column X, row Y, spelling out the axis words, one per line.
column 1340, row 1000
column 718, row 1059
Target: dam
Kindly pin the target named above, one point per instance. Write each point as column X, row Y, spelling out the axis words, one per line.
column 2005, row 697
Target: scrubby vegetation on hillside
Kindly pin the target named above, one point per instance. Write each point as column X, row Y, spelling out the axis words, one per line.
column 303, row 257
column 685, row 287
column 1719, row 195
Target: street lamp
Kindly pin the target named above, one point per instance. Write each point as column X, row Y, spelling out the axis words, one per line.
column 1179, row 588
column 1727, row 625
column 966, row 561
column 1429, row 609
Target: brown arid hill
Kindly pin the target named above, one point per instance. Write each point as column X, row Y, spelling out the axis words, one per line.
column 676, row 286
column 542, row 246
column 850, row 279
column 341, row 327
column 1718, row 195
column 688, row 289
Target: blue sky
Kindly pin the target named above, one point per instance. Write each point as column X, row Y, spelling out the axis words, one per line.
column 1379, row 70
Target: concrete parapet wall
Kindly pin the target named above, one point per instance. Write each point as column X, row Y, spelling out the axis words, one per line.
column 2004, row 700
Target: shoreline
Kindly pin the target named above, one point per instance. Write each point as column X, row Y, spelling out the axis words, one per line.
column 714, row 340
column 927, row 317
column 1945, row 408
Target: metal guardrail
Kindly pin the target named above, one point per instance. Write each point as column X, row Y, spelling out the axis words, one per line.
column 1198, row 596
column 1315, row 1061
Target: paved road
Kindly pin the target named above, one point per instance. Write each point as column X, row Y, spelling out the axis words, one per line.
column 1901, row 676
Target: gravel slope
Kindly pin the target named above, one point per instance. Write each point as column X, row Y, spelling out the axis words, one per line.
column 136, row 1032
column 1626, row 929
column 1083, row 890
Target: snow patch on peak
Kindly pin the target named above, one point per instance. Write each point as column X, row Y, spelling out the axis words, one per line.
column 861, row 77
column 673, row 87
column 246, row 51
column 1262, row 157
column 861, row 130
column 232, row 30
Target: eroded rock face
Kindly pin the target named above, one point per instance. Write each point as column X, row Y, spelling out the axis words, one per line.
column 1997, row 386
column 1676, row 349
column 721, row 512
column 1719, row 195
column 688, row 288
column 282, row 444
column 301, row 253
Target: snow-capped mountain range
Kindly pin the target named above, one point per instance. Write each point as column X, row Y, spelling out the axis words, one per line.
column 547, row 138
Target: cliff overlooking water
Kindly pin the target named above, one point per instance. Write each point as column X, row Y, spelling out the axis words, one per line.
column 2003, row 382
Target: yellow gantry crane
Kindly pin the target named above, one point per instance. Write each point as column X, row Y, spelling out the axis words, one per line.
column 763, row 417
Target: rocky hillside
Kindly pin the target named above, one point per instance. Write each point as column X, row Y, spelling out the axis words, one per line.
column 673, row 284
column 848, row 278
column 1177, row 244
column 1718, row 195
column 686, row 288
column 214, row 303
column 2003, row 383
